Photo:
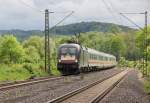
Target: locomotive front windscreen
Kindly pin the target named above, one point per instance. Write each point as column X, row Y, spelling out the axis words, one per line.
column 68, row 53
column 68, row 50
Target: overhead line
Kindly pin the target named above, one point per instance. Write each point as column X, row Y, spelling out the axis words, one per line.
column 110, row 10
column 62, row 20
column 29, row 6
column 131, row 21
column 132, row 13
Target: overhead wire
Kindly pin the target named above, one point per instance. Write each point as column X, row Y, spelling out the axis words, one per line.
column 62, row 19
column 29, row 6
column 118, row 13
column 109, row 9
column 131, row 21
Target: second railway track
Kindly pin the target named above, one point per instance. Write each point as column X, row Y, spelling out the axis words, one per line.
column 93, row 92
column 5, row 86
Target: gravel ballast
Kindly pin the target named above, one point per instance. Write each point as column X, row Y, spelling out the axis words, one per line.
column 45, row 91
column 129, row 90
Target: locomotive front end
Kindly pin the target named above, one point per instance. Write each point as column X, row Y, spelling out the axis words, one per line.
column 68, row 59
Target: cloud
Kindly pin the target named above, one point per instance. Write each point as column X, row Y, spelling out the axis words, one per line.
column 25, row 14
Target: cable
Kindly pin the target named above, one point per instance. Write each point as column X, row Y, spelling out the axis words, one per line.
column 29, row 6
column 109, row 9
column 62, row 20
column 131, row 21
column 62, row 12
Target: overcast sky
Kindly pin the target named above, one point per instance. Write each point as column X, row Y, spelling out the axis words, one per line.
column 29, row 14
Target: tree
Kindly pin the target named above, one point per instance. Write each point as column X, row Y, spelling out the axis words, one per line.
column 11, row 51
column 140, row 39
column 148, row 53
column 32, row 55
column 117, row 46
column 36, row 42
column 132, row 51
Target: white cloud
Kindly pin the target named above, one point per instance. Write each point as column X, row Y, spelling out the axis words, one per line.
column 23, row 14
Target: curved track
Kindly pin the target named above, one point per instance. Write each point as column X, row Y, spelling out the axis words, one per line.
column 91, row 93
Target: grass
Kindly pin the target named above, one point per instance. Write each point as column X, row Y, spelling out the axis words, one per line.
column 147, row 86
column 15, row 72
column 147, row 82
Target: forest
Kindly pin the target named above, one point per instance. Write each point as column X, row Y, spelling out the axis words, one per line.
column 21, row 60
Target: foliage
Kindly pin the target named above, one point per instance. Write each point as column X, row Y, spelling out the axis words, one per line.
column 32, row 55
column 13, row 72
column 148, row 52
column 35, row 42
column 147, row 86
column 117, row 46
column 122, row 62
column 11, row 51
column 140, row 39
column 110, row 43
column 27, row 58
column 34, row 69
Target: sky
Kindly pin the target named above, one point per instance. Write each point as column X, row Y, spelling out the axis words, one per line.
column 29, row 14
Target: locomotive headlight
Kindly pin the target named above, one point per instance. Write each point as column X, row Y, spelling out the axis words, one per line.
column 76, row 60
column 59, row 60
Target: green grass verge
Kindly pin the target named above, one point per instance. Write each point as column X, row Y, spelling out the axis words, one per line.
column 147, row 86
column 14, row 72
column 147, row 82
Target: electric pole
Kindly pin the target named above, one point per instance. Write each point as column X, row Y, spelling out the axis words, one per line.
column 47, row 39
column 47, row 42
column 145, row 42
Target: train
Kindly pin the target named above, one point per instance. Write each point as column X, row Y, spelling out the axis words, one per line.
column 74, row 58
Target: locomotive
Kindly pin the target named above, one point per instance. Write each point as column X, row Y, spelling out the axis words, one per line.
column 73, row 58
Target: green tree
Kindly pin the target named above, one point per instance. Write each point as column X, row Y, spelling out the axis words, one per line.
column 140, row 39
column 148, row 53
column 11, row 50
column 32, row 55
column 132, row 51
column 117, row 46
column 36, row 42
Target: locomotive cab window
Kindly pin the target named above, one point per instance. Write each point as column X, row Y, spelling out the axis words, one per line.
column 68, row 50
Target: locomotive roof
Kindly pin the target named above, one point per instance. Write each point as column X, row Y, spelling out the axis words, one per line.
column 70, row 44
column 89, row 49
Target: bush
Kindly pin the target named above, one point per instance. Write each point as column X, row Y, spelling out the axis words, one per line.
column 147, row 86
column 13, row 72
column 28, row 67
column 34, row 69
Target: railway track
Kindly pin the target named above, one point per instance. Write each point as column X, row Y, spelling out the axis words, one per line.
column 93, row 92
column 11, row 85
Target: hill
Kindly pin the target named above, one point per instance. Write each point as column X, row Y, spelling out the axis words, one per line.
column 71, row 29
column 21, row 34
column 90, row 26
